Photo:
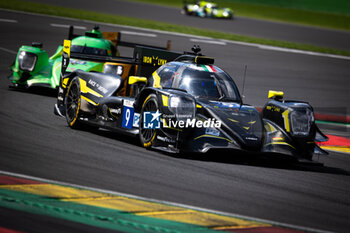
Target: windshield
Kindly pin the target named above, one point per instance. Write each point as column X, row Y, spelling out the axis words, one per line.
column 213, row 85
column 88, row 50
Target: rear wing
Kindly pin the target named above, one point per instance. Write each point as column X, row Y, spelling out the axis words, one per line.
column 146, row 59
column 115, row 37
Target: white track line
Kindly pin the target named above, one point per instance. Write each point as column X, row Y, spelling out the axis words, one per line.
column 8, row 50
column 8, row 20
column 280, row 49
column 164, row 202
column 209, row 41
column 67, row 26
column 193, row 36
column 138, row 34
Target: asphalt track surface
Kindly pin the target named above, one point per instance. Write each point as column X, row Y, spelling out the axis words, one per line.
column 35, row 142
column 240, row 25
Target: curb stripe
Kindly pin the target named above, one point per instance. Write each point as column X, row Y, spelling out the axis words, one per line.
column 138, row 207
column 8, row 180
column 173, row 204
column 6, row 230
column 92, row 215
column 337, row 149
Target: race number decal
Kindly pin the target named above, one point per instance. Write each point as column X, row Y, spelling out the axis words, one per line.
column 128, row 117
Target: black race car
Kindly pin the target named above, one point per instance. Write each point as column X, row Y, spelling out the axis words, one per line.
column 185, row 105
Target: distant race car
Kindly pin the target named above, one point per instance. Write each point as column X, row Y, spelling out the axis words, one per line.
column 207, row 10
column 33, row 66
column 185, row 105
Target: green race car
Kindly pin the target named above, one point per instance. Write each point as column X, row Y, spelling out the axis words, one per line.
column 207, row 10
column 33, row 67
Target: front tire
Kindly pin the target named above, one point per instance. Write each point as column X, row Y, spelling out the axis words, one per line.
column 148, row 136
column 72, row 103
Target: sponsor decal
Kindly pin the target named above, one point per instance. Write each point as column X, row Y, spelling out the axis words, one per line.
column 155, row 61
column 115, row 111
column 77, row 62
column 128, row 103
column 273, row 108
column 151, row 120
column 192, row 123
column 136, row 121
column 98, row 86
column 251, row 138
column 165, row 139
column 120, row 70
column 212, row 131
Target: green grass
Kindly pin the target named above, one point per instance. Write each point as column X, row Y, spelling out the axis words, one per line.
column 115, row 19
column 327, row 6
column 323, row 13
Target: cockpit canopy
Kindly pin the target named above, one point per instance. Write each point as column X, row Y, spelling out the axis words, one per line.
column 93, row 43
column 201, row 81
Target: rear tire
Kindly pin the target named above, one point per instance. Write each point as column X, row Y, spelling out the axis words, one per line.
column 72, row 103
column 148, row 136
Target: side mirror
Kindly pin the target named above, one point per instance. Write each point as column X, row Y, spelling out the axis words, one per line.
column 136, row 79
column 276, row 95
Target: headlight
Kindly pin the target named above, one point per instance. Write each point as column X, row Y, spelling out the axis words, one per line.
column 301, row 121
column 113, row 69
column 27, row 61
column 182, row 107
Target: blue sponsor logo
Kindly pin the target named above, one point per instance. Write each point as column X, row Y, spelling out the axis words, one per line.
column 136, row 120
column 151, row 120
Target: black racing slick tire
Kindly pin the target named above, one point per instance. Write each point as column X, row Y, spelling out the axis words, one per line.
column 148, row 136
column 72, row 103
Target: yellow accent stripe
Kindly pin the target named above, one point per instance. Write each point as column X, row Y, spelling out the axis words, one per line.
column 233, row 120
column 156, row 80
column 344, row 149
column 65, row 82
column 89, row 100
column 269, row 127
column 286, row 120
column 198, row 106
column 144, row 102
column 165, row 100
column 277, row 138
column 85, row 89
column 212, row 136
column 138, row 207
column 280, row 143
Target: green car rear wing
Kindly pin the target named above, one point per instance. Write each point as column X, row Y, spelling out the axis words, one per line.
column 147, row 59
column 115, row 37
